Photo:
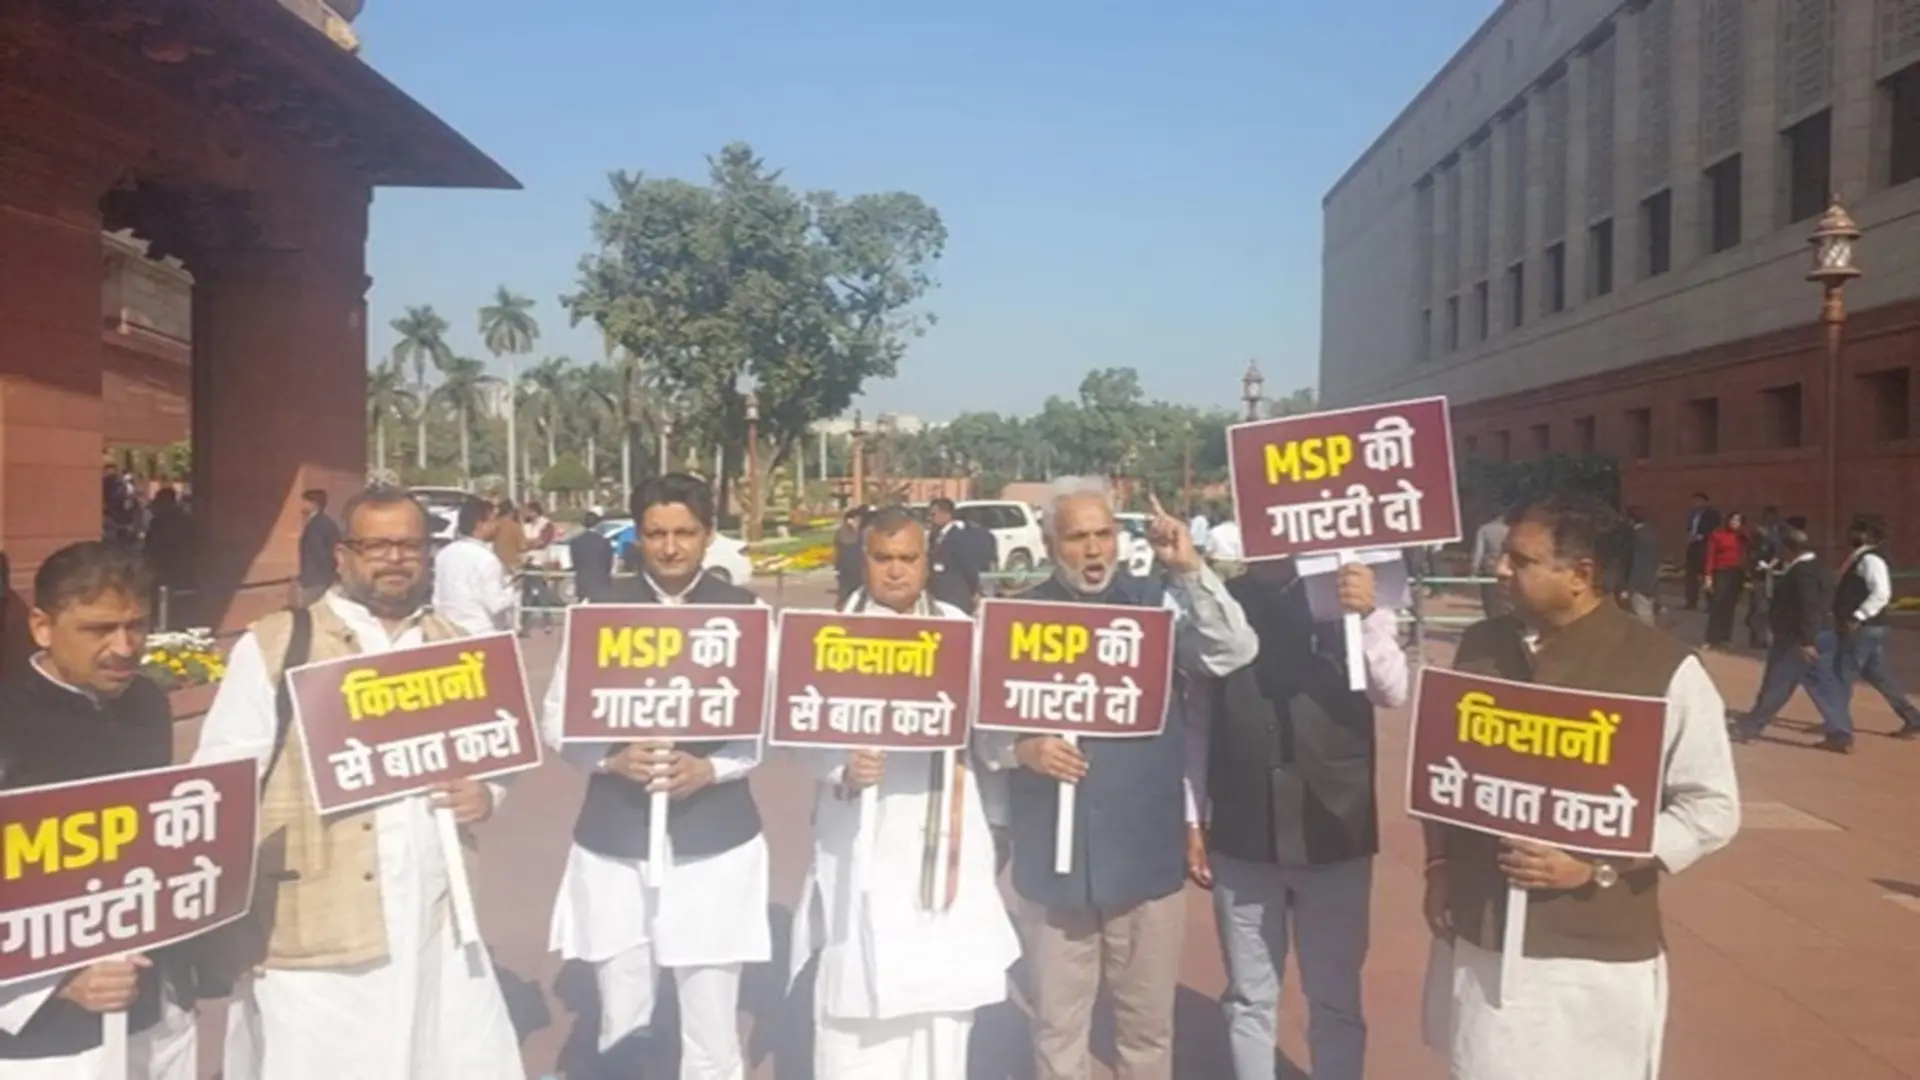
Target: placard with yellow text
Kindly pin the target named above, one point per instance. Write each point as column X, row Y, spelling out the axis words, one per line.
column 1381, row 476
column 1073, row 669
column 685, row 673
column 872, row 682
column 1571, row 768
column 387, row 725
column 96, row 869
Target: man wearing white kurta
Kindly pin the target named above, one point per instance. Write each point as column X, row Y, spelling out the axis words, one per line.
column 899, row 979
column 708, row 917
column 471, row 587
column 1589, row 994
column 361, row 976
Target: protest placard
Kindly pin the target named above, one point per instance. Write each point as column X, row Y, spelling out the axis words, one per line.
column 97, row 869
column 875, row 682
column 685, row 673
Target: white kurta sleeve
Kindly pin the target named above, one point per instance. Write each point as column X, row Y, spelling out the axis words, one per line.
column 21, row 1001
column 585, row 756
column 734, row 760
column 1700, row 797
column 1386, row 661
column 243, row 717
column 1210, row 631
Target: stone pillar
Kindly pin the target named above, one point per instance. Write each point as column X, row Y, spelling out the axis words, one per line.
column 1859, row 166
column 280, row 352
column 1761, row 209
column 50, row 357
column 1689, row 237
column 1579, row 78
column 1628, row 230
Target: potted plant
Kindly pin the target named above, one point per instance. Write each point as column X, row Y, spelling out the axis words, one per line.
column 188, row 665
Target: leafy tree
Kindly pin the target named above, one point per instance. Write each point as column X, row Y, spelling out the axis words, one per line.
column 547, row 399
column 807, row 297
column 463, row 391
column 388, row 399
column 422, row 344
column 508, row 329
column 567, row 475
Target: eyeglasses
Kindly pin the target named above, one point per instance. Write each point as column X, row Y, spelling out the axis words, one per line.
column 386, row 549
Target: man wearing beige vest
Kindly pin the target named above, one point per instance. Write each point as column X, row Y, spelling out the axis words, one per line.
column 356, row 973
column 1589, row 997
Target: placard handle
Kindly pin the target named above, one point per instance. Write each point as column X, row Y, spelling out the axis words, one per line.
column 1063, row 823
column 466, row 927
column 1350, row 630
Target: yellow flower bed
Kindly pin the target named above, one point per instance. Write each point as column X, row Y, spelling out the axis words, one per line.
column 182, row 659
column 812, row 558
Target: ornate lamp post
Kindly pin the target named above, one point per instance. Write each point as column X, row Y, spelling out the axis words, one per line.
column 857, row 436
column 1253, row 390
column 753, row 467
column 1832, row 242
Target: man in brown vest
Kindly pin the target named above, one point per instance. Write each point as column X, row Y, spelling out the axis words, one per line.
column 359, row 974
column 1589, row 998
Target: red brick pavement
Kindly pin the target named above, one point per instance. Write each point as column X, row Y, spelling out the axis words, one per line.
column 1795, row 953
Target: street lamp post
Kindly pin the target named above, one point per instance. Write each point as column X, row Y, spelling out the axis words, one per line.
column 858, row 455
column 1252, row 390
column 666, row 443
column 1186, row 469
column 1832, row 241
column 753, row 467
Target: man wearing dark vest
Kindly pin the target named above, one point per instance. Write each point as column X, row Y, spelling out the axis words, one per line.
column 1119, row 913
column 1281, row 760
column 1591, row 994
column 1860, row 600
column 1803, row 650
column 79, row 710
column 708, row 918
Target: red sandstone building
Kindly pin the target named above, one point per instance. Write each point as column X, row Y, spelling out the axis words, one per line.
column 240, row 141
column 1590, row 231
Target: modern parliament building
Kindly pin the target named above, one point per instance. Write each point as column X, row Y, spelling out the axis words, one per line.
column 1591, row 232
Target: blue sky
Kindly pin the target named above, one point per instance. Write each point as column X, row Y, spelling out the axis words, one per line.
column 1125, row 183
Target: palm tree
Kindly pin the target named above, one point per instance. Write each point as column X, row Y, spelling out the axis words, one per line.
column 423, row 343
column 508, row 328
column 547, row 388
column 464, row 390
column 388, row 398
column 593, row 394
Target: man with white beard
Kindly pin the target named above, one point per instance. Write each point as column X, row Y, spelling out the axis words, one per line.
column 359, row 974
column 899, row 979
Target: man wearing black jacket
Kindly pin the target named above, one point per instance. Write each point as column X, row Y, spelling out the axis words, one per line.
column 1638, row 582
column 1282, row 771
column 1804, row 648
column 81, row 710
column 962, row 552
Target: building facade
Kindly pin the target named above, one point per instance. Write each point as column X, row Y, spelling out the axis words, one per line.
column 146, row 327
column 1590, row 231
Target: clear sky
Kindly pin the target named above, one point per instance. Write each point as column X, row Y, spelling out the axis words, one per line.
column 1125, row 182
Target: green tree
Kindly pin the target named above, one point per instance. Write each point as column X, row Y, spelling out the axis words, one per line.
column 547, row 385
column 744, row 281
column 423, row 345
column 389, row 400
column 508, row 329
column 463, row 390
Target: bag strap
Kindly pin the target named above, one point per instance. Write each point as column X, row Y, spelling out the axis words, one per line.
column 299, row 649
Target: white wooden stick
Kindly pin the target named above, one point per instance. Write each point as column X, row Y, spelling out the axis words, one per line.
column 113, row 1045
column 1350, row 622
column 1063, row 824
column 943, row 833
column 466, row 927
column 1513, row 943
column 659, row 858
column 869, row 833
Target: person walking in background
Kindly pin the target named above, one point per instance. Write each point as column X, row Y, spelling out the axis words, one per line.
column 958, row 561
column 1701, row 521
column 169, row 550
column 1639, row 580
column 1860, row 599
column 1803, row 651
column 849, row 562
column 471, row 589
column 591, row 554
column 1487, row 543
column 1763, row 556
column 317, row 539
column 1725, row 571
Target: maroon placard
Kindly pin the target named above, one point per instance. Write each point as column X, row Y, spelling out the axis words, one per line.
column 96, row 869
column 1570, row 768
column 1380, row 476
column 685, row 673
column 387, row 725
column 879, row 682
column 1073, row 669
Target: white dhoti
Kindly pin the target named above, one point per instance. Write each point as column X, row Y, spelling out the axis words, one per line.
column 169, row 1050
column 930, row 1046
column 1561, row 1018
column 706, row 921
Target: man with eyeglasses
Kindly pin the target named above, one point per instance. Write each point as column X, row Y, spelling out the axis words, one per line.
column 349, row 966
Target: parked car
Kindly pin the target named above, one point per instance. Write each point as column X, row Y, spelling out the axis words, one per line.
column 442, row 505
column 1135, row 551
column 726, row 556
column 1019, row 543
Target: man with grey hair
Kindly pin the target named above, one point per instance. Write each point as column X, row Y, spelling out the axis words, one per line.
column 1118, row 913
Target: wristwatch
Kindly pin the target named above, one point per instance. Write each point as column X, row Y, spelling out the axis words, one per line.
column 1605, row 876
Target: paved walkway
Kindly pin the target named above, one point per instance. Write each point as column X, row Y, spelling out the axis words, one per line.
column 1795, row 954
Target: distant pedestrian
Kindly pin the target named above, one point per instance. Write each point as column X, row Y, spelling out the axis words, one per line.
column 592, row 556
column 1487, row 545
column 1701, row 521
column 1725, row 575
column 849, row 562
column 1860, row 602
column 318, row 539
column 1804, row 650
column 1763, row 557
column 1640, row 577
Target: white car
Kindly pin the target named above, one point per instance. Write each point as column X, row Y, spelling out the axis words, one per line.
column 442, row 505
column 1135, row 551
column 726, row 557
column 1019, row 543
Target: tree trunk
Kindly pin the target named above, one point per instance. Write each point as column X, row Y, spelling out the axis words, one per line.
column 423, row 439
column 550, row 454
column 380, row 444
column 626, row 462
column 466, row 449
column 593, row 459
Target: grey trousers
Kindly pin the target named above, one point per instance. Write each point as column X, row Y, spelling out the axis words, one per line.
column 1261, row 909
